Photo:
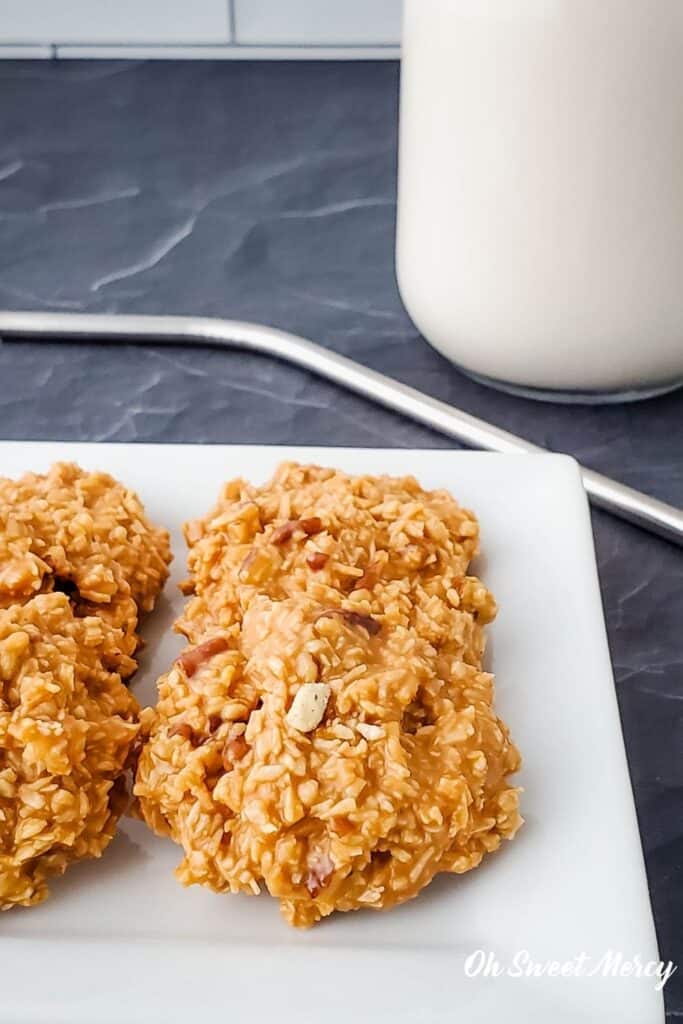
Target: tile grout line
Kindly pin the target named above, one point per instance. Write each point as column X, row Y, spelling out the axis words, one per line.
column 54, row 50
column 205, row 46
column 232, row 21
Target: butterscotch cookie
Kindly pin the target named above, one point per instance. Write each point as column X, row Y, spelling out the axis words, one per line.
column 330, row 732
column 67, row 726
column 85, row 535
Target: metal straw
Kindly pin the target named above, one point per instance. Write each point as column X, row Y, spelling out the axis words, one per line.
column 625, row 502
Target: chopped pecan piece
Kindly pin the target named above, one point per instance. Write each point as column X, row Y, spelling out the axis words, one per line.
column 281, row 534
column 193, row 659
column 184, row 730
column 317, row 560
column 366, row 621
column 311, row 526
column 354, row 619
column 319, row 873
column 234, row 750
column 369, row 577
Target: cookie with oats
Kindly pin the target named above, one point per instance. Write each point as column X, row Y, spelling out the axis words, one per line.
column 330, row 734
column 87, row 536
column 67, row 728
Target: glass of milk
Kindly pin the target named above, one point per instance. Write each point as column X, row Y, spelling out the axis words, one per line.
column 540, row 215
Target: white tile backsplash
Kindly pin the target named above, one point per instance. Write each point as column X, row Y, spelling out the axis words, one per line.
column 114, row 21
column 25, row 52
column 318, row 22
column 217, row 29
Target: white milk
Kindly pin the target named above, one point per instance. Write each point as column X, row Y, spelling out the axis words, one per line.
column 540, row 227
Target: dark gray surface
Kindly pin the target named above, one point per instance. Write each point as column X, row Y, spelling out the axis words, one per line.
column 267, row 192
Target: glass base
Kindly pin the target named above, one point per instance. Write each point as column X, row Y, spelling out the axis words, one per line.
column 574, row 397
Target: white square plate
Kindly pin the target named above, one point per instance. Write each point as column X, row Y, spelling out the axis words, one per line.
column 121, row 941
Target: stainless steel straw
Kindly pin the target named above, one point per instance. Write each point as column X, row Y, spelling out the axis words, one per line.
column 625, row 502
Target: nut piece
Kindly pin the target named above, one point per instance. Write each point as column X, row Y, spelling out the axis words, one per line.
column 308, row 706
column 281, row 534
column 317, row 560
column 194, row 658
column 183, row 729
column 369, row 731
column 319, row 874
column 370, row 625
